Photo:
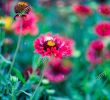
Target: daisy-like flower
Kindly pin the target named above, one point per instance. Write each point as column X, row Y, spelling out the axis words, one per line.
column 28, row 24
column 81, row 10
column 102, row 29
column 57, row 70
column 95, row 52
column 53, row 45
column 104, row 9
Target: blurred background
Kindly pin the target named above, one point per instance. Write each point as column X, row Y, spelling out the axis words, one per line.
column 85, row 81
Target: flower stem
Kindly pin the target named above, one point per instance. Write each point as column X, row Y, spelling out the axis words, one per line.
column 40, row 81
column 17, row 48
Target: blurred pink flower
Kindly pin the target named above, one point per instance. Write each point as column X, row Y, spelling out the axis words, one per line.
column 102, row 28
column 107, row 54
column 28, row 24
column 104, row 9
column 95, row 52
column 57, row 70
column 53, row 45
column 81, row 10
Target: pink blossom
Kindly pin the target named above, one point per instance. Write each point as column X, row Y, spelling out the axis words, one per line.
column 95, row 52
column 53, row 45
column 104, row 9
column 81, row 10
column 57, row 70
column 107, row 54
column 28, row 24
column 102, row 28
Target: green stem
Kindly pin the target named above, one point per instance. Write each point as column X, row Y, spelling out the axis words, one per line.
column 17, row 48
column 40, row 81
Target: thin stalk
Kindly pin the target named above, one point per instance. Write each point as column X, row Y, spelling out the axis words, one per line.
column 40, row 81
column 17, row 49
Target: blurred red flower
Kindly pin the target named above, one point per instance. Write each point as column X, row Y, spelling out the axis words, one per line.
column 102, row 28
column 58, row 70
column 28, row 24
column 81, row 10
column 29, row 71
column 53, row 45
column 95, row 52
column 104, row 9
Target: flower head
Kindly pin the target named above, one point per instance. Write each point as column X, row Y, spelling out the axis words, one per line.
column 57, row 70
column 22, row 8
column 81, row 10
column 28, row 25
column 104, row 10
column 102, row 28
column 95, row 52
column 53, row 45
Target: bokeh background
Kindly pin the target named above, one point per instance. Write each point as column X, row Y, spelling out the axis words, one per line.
column 85, row 81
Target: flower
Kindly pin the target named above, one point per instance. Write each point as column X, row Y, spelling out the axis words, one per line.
column 22, row 8
column 7, row 23
column 53, row 45
column 81, row 10
column 95, row 52
column 28, row 25
column 107, row 54
column 29, row 71
column 104, row 10
column 102, row 28
column 57, row 70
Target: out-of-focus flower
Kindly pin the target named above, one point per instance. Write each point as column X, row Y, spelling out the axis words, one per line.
column 95, row 52
column 7, row 20
column 104, row 9
column 22, row 9
column 57, row 70
column 81, row 10
column 102, row 28
column 29, row 71
column 8, row 41
column 107, row 54
column 28, row 25
column 53, row 45
column 8, row 23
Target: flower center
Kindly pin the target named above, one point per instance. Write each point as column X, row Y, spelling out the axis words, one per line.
column 51, row 43
column 21, row 6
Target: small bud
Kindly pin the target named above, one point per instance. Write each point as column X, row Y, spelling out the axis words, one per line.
column 2, row 23
column 50, row 91
column 45, row 81
column 13, row 78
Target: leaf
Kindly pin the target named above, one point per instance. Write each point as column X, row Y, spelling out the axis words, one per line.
column 19, row 75
column 36, row 61
column 38, row 93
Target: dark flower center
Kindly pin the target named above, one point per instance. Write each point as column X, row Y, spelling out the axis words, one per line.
column 49, row 44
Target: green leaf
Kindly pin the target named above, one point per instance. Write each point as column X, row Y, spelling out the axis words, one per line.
column 36, row 61
column 19, row 75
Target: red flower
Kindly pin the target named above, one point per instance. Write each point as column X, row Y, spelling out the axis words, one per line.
column 57, row 70
column 95, row 52
column 81, row 10
column 29, row 71
column 53, row 45
column 103, row 28
column 104, row 10
column 28, row 24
